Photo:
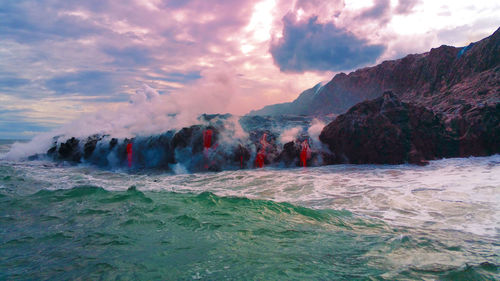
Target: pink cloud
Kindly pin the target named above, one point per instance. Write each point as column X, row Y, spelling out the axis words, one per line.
column 221, row 48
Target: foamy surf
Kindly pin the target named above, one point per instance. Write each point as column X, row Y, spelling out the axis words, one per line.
column 391, row 221
column 456, row 194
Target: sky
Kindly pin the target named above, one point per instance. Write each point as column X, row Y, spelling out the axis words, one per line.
column 64, row 59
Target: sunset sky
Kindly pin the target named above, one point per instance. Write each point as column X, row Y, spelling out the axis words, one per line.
column 60, row 59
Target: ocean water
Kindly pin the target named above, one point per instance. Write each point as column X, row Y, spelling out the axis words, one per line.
column 342, row 222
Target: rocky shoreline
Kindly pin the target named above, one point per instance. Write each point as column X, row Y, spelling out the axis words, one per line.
column 190, row 147
column 384, row 130
column 440, row 104
column 388, row 131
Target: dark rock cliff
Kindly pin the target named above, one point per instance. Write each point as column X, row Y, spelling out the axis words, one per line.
column 443, row 103
column 442, row 79
column 388, row 131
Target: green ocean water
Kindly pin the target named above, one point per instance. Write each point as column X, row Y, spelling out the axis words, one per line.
column 330, row 223
column 90, row 233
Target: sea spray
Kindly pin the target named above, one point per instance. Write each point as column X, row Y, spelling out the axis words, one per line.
column 291, row 134
column 147, row 113
column 209, row 145
column 152, row 136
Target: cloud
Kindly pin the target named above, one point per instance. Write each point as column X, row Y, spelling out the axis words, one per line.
column 74, row 56
column 21, row 129
column 406, row 6
column 380, row 9
column 179, row 77
column 469, row 33
column 12, row 82
column 13, row 124
column 129, row 56
column 321, row 8
column 120, row 97
column 175, row 3
column 84, row 82
column 313, row 46
column 32, row 21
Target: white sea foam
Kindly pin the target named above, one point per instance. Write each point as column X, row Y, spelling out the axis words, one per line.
column 452, row 194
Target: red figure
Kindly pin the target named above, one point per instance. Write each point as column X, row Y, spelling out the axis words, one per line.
column 305, row 153
column 207, row 138
column 129, row 154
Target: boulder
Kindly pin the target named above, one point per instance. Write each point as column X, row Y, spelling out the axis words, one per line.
column 241, row 155
column 90, row 145
column 476, row 128
column 70, row 150
column 193, row 137
column 386, row 131
column 290, row 154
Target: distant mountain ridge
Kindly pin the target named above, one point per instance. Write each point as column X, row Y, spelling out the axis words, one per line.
column 441, row 79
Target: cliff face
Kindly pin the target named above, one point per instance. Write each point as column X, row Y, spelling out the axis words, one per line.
column 442, row 79
column 386, row 130
column 446, row 103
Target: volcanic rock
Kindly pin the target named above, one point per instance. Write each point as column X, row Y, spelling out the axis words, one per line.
column 477, row 129
column 241, row 155
column 153, row 151
column 90, row 145
column 436, row 79
column 70, row 150
column 387, row 131
column 290, row 154
column 265, row 141
column 193, row 137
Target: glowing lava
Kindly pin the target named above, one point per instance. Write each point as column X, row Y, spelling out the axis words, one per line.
column 207, row 143
column 259, row 159
column 129, row 154
column 207, row 138
column 261, row 155
column 305, row 153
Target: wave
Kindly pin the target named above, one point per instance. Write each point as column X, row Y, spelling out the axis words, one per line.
column 159, row 234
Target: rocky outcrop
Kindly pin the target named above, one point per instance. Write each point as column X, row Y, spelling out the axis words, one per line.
column 440, row 79
column 290, row 154
column 214, row 145
column 476, row 129
column 69, row 150
column 443, row 103
column 388, row 131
